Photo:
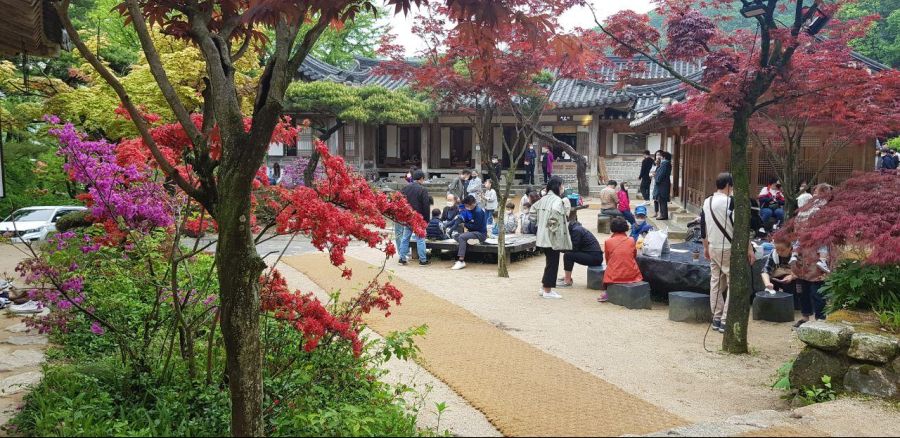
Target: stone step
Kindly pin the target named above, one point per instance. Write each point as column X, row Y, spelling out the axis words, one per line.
column 737, row 425
column 19, row 382
column 16, row 359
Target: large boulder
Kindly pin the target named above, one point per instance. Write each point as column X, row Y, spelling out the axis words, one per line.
column 825, row 335
column 872, row 380
column 872, row 348
column 812, row 364
column 895, row 365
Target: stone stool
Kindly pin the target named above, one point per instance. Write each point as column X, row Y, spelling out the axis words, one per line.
column 603, row 223
column 630, row 295
column 595, row 277
column 775, row 308
column 689, row 307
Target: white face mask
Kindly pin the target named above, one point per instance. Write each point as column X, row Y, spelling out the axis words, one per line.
column 450, row 204
column 639, row 221
column 494, row 161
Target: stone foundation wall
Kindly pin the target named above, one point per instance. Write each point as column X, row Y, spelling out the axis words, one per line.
column 865, row 363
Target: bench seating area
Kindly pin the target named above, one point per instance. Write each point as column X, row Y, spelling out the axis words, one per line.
column 518, row 246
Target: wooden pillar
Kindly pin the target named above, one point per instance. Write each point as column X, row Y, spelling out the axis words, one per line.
column 424, row 146
column 593, row 147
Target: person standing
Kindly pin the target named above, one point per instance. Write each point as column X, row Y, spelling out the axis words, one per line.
column 717, row 230
column 496, row 169
column 657, row 158
column 475, row 220
column 664, row 185
column 547, row 163
column 458, row 186
column 275, row 174
column 418, row 198
column 551, row 214
column 475, row 187
column 490, row 200
column 530, row 159
column 644, row 176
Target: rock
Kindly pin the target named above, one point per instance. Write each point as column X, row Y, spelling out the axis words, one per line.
column 18, row 328
column 630, row 295
column 603, row 223
column 595, row 277
column 20, row 359
column 872, row 348
column 825, row 335
column 774, row 308
column 689, row 307
column 19, row 382
column 26, row 340
column 812, row 364
column 872, row 380
column 895, row 365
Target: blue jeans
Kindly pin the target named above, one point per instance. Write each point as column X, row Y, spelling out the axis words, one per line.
column 629, row 216
column 766, row 213
column 811, row 300
column 403, row 234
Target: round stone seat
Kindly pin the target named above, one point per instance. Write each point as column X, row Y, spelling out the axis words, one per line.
column 603, row 223
column 595, row 277
column 689, row 307
column 778, row 307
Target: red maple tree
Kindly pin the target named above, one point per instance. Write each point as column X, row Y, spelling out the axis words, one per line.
column 224, row 31
column 744, row 73
column 512, row 75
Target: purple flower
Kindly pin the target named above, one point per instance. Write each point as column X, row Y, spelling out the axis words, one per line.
column 210, row 299
column 97, row 329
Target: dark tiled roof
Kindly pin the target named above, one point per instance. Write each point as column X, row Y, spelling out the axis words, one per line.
column 571, row 93
column 652, row 71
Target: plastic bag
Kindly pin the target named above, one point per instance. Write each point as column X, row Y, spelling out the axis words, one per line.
column 655, row 243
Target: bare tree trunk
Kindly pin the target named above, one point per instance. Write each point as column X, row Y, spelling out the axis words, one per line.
column 502, row 256
column 739, row 284
column 584, row 187
column 239, row 270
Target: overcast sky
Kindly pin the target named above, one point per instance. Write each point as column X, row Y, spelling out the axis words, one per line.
column 576, row 17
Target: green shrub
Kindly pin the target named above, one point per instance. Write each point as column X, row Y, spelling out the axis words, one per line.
column 818, row 394
column 854, row 285
column 73, row 220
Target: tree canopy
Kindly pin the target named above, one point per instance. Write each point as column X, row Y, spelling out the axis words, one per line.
column 367, row 104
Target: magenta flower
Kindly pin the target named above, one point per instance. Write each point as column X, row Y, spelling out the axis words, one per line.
column 97, row 329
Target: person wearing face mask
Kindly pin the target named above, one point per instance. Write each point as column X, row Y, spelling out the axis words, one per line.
column 551, row 214
column 529, row 160
column 476, row 229
column 640, row 226
column 450, row 217
column 496, row 169
column 717, row 231
column 547, row 163
column 459, row 185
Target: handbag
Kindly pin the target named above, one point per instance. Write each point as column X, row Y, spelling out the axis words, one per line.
column 655, row 243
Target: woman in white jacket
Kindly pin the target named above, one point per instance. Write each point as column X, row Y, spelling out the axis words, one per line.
column 551, row 213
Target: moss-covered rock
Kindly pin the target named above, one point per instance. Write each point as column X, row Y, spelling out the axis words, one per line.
column 813, row 363
column 872, row 348
column 825, row 335
column 872, row 380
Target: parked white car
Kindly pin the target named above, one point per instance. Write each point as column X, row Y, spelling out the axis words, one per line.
column 34, row 223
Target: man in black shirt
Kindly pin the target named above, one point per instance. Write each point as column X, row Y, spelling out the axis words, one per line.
column 644, row 176
column 420, row 201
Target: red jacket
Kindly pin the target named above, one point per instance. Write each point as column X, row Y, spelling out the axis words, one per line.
column 621, row 260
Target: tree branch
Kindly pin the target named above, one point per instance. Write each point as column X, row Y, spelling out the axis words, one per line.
column 62, row 10
column 664, row 65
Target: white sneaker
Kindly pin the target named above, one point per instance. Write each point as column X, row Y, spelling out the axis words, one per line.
column 551, row 295
column 29, row 307
column 458, row 265
column 473, row 241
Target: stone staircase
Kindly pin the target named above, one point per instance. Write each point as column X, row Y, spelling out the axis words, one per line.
column 21, row 357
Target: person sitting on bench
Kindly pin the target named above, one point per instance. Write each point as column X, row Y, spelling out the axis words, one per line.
column 449, row 215
column 435, row 230
column 475, row 220
column 585, row 251
column 621, row 257
column 609, row 199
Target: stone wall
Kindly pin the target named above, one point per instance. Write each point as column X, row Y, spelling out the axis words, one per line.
column 624, row 168
column 865, row 363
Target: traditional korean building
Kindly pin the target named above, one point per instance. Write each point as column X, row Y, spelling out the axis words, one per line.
column 610, row 124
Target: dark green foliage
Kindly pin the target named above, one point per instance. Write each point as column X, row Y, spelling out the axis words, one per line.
column 76, row 219
column 33, row 175
column 864, row 287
